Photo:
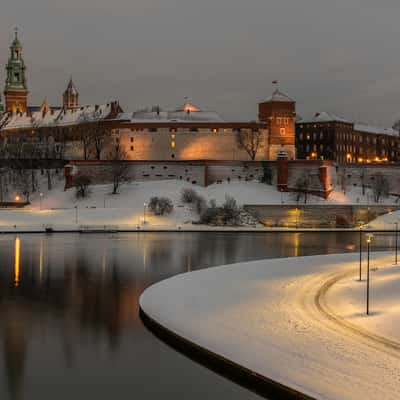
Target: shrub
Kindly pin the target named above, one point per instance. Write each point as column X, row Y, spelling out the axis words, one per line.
column 230, row 211
column 82, row 183
column 228, row 214
column 161, row 205
column 189, row 196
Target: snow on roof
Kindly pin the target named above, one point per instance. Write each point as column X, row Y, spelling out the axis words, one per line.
column 325, row 116
column 171, row 116
column 279, row 97
column 57, row 117
column 375, row 129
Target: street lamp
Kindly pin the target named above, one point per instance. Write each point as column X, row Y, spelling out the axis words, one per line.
column 369, row 240
column 40, row 199
column 396, row 241
column 76, row 215
column 17, row 198
column 361, row 223
column 144, row 213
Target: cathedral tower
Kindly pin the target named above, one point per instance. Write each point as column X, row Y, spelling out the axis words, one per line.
column 16, row 90
column 279, row 112
column 71, row 97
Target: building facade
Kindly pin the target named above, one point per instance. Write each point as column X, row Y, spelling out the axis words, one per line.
column 184, row 134
column 329, row 137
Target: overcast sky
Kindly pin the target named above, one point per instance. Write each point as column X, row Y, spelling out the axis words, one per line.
column 338, row 55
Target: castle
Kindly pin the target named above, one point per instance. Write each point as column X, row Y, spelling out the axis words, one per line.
column 187, row 133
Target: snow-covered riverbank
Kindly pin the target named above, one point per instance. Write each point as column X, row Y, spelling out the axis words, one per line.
column 128, row 210
column 272, row 318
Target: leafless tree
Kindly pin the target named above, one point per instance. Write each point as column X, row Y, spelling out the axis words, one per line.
column 380, row 187
column 302, row 188
column 82, row 183
column 100, row 136
column 119, row 168
column 249, row 140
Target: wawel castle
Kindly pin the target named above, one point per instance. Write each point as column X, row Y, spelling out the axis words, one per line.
column 76, row 131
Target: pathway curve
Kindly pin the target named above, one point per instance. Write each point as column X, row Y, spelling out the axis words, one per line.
column 272, row 317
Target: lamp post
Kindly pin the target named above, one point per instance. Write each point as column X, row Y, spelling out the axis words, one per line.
column 76, row 215
column 360, row 241
column 144, row 213
column 396, row 241
column 369, row 239
column 40, row 199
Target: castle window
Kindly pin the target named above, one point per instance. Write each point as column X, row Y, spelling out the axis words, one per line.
column 131, row 148
column 215, row 130
column 131, row 139
column 194, row 130
column 153, row 129
column 283, row 131
column 278, row 120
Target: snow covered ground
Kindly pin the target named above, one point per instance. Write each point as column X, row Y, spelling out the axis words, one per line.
column 386, row 222
column 274, row 317
column 127, row 209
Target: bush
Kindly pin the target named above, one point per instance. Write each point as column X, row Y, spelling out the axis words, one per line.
column 189, row 196
column 161, row 205
column 228, row 214
column 230, row 211
column 82, row 183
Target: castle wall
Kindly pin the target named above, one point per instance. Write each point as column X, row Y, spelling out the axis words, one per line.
column 187, row 145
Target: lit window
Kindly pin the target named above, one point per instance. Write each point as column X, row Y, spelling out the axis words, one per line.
column 172, row 135
column 215, row 130
column 283, row 131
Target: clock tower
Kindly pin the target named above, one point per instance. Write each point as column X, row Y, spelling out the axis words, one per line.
column 16, row 90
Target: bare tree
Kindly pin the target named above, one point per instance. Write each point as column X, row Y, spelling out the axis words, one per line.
column 100, row 135
column 302, row 188
column 380, row 187
column 249, row 140
column 119, row 168
column 82, row 183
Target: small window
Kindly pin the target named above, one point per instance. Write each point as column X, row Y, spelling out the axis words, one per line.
column 283, row 131
column 131, row 148
column 131, row 139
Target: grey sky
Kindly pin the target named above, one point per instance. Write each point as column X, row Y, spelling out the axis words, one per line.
column 337, row 55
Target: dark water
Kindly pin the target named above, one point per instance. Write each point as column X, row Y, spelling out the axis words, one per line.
column 69, row 325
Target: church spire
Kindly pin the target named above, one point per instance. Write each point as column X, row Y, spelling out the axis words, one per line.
column 16, row 90
column 71, row 96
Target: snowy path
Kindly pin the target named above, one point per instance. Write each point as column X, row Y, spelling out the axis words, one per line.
column 273, row 317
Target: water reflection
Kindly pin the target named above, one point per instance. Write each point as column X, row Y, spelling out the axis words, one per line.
column 69, row 303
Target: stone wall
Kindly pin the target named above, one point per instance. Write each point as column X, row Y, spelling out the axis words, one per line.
column 316, row 216
column 353, row 175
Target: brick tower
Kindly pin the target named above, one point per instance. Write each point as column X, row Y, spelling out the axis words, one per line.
column 16, row 90
column 279, row 111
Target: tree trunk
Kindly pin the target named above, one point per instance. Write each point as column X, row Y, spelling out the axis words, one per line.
column 49, row 184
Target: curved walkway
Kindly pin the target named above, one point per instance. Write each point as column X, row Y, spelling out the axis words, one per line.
column 271, row 317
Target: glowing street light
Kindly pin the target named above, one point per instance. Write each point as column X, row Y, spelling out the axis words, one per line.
column 144, row 213
column 361, row 223
column 396, row 241
column 369, row 240
column 40, row 199
column 17, row 198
